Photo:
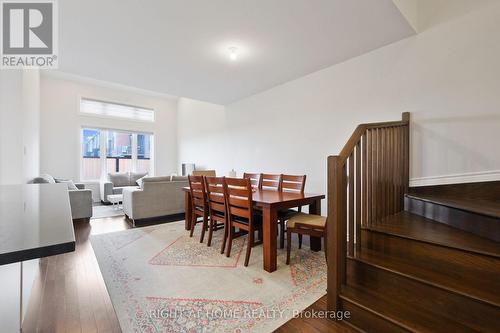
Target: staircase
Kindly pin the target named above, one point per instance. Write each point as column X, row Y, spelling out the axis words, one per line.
column 406, row 259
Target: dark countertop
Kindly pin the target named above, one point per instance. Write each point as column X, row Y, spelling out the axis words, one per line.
column 35, row 222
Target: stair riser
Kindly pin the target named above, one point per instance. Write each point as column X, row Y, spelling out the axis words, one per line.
column 367, row 321
column 418, row 295
column 458, row 265
column 477, row 224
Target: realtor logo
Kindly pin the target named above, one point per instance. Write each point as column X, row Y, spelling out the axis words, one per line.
column 29, row 35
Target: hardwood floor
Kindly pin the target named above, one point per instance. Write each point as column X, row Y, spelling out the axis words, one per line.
column 69, row 294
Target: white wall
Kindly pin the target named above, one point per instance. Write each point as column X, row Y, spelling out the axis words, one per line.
column 19, row 125
column 31, row 123
column 11, row 122
column 61, row 122
column 201, row 132
column 447, row 77
column 19, row 162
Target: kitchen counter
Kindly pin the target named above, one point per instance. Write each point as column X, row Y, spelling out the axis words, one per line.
column 35, row 222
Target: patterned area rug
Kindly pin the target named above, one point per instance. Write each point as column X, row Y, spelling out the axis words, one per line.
column 161, row 280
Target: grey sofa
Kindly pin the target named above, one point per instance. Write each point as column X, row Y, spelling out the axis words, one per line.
column 158, row 196
column 116, row 182
column 80, row 198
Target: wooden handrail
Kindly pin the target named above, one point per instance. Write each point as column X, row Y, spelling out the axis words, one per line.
column 366, row 182
column 361, row 129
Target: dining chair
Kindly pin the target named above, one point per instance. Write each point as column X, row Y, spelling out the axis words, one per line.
column 255, row 179
column 217, row 209
column 199, row 204
column 270, row 182
column 305, row 224
column 207, row 173
column 290, row 183
column 240, row 213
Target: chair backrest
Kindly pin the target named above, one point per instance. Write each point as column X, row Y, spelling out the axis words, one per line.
column 215, row 195
column 255, row 178
column 198, row 194
column 270, row 182
column 207, row 173
column 291, row 183
column 239, row 198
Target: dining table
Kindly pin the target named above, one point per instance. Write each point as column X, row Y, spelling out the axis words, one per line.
column 270, row 202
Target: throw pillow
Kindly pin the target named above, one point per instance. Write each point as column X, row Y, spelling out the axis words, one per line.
column 140, row 182
column 39, row 180
column 69, row 183
column 48, row 178
column 120, row 179
column 134, row 176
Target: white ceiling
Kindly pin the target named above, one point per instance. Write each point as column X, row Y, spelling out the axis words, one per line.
column 179, row 47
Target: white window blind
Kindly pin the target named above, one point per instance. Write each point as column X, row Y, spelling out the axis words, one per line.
column 114, row 110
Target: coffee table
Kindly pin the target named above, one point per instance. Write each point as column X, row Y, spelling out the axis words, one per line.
column 115, row 199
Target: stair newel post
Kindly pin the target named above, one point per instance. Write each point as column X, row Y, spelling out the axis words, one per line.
column 334, row 233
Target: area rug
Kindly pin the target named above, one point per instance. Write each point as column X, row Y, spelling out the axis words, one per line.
column 102, row 211
column 161, row 280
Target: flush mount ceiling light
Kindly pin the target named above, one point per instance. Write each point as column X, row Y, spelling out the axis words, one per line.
column 233, row 53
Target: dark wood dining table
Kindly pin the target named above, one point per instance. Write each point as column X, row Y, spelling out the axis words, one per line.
column 270, row 203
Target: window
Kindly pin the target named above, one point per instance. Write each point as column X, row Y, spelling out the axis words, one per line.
column 111, row 151
column 114, row 110
column 119, row 152
column 143, row 152
column 91, row 153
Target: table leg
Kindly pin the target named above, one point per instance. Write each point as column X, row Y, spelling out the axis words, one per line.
column 315, row 208
column 187, row 211
column 270, row 217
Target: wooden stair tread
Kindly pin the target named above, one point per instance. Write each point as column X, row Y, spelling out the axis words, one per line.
column 419, row 228
column 409, row 317
column 480, row 290
column 477, row 206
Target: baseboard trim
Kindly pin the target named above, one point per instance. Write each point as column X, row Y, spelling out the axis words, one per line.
column 468, row 177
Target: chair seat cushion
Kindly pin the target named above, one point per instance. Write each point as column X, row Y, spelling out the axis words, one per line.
column 217, row 213
column 307, row 219
column 257, row 219
column 287, row 214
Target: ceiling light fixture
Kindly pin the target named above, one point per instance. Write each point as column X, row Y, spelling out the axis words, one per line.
column 233, row 53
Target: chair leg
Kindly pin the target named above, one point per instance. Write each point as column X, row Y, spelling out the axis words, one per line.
column 210, row 232
column 300, row 241
column 288, row 245
column 193, row 223
column 230, row 241
column 203, row 228
column 224, row 239
column 249, row 246
column 282, row 233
